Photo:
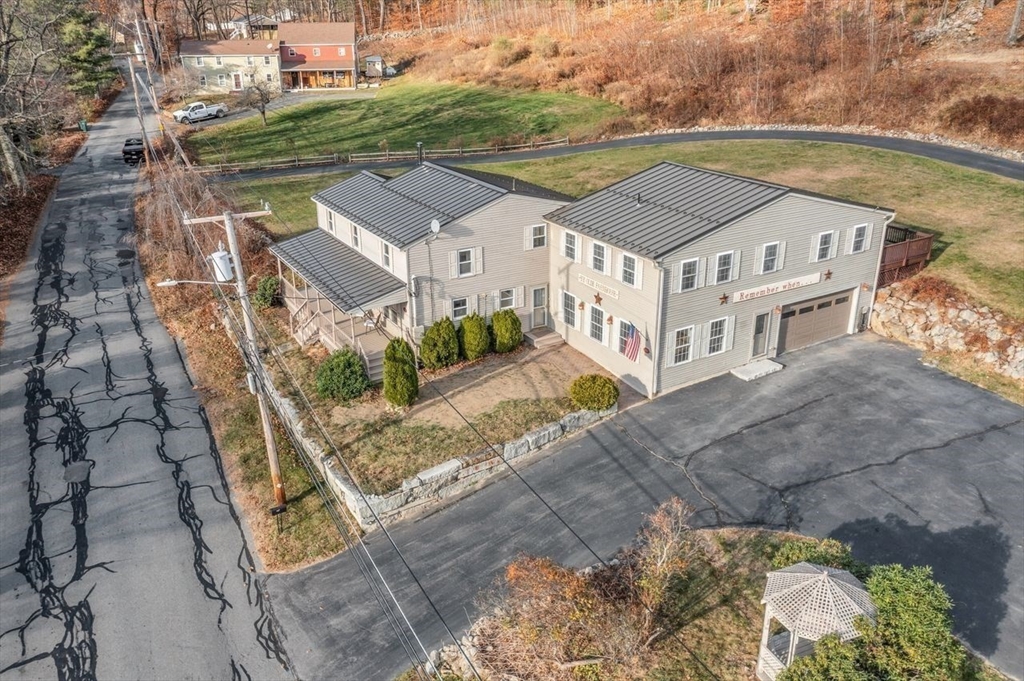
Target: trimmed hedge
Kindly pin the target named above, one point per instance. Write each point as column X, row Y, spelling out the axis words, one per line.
column 440, row 345
column 401, row 381
column 828, row 552
column 474, row 338
column 341, row 376
column 594, row 392
column 508, row 330
column 267, row 293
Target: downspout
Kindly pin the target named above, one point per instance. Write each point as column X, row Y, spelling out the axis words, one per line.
column 659, row 314
column 878, row 267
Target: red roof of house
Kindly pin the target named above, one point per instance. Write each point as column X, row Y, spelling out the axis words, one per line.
column 190, row 48
column 317, row 33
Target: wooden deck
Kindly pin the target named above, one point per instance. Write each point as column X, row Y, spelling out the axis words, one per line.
column 906, row 252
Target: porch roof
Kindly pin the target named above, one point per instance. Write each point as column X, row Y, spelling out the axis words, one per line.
column 320, row 65
column 347, row 278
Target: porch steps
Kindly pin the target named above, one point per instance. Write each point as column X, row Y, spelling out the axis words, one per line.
column 755, row 370
column 543, row 338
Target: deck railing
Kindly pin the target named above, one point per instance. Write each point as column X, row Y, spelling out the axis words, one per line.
column 906, row 252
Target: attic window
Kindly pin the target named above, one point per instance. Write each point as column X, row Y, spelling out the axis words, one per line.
column 291, row 51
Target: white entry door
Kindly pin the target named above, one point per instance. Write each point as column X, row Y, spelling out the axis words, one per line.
column 540, row 307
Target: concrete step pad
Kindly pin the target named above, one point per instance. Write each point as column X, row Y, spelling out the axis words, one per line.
column 762, row 367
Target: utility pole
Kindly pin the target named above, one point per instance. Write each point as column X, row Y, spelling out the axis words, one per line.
column 138, row 109
column 250, row 344
column 145, row 60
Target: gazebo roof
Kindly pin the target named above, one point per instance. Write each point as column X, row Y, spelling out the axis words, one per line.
column 813, row 601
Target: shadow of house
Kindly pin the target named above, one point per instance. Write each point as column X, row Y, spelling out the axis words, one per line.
column 969, row 561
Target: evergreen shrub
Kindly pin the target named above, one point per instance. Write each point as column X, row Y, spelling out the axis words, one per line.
column 594, row 392
column 401, row 382
column 341, row 376
column 508, row 330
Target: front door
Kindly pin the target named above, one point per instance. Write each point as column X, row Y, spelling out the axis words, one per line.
column 237, row 80
column 761, row 325
column 540, row 307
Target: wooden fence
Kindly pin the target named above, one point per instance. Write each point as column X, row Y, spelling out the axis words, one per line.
column 375, row 157
column 906, row 252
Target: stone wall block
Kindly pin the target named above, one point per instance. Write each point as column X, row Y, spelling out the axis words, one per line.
column 543, row 435
column 516, row 448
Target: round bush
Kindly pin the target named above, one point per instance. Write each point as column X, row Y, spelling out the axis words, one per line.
column 594, row 392
column 341, row 376
column 267, row 293
column 474, row 339
column 440, row 345
column 401, row 382
column 508, row 330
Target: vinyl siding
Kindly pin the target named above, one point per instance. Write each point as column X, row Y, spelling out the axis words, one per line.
column 636, row 305
column 370, row 245
column 498, row 230
column 230, row 65
column 796, row 220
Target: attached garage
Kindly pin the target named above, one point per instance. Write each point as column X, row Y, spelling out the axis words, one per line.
column 815, row 320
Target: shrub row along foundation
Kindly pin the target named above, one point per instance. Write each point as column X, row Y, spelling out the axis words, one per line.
column 932, row 315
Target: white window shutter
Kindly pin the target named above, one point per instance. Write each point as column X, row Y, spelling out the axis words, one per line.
column 561, row 244
column 473, row 303
column 867, row 237
column 579, row 249
column 835, row 244
column 814, row 248
column 453, row 264
column 849, row 241
column 702, row 266
column 478, row 260
column 730, row 328
column 735, row 274
column 697, row 351
column 447, row 308
column 781, row 258
column 520, row 296
column 639, row 273
column 528, row 238
column 758, row 260
column 495, row 301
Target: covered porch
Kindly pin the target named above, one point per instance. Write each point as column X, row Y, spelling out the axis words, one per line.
column 316, row 76
column 338, row 298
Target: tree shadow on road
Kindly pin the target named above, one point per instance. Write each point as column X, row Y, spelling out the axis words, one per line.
column 969, row 561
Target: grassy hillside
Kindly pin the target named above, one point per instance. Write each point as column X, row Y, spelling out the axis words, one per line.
column 406, row 112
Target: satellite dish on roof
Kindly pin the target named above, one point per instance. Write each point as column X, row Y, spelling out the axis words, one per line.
column 270, row 46
column 435, row 226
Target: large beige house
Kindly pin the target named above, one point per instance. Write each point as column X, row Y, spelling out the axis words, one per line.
column 225, row 66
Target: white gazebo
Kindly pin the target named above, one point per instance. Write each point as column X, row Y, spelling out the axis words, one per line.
column 810, row 602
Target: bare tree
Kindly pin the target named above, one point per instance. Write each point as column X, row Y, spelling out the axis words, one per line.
column 1014, row 34
column 259, row 94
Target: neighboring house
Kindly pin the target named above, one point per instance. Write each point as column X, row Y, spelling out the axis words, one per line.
column 318, row 55
column 713, row 271
column 224, row 66
column 403, row 253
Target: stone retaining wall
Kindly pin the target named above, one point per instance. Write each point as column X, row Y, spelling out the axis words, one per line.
column 443, row 480
column 950, row 324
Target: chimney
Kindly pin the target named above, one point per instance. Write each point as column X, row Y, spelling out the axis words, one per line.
column 419, row 152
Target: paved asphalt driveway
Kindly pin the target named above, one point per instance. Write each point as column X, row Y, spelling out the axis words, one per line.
column 121, row 556
column 855, row 440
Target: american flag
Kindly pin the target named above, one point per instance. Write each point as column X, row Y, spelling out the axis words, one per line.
column 632, row 343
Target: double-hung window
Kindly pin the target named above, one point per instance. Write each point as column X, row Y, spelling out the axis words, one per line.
column 682, row 351
column 249, row 61
column 599, row 257
column 219, row 61
column 266, row 60
column 330, row 221
column 570, row 245
column 716, row 336
column 688, row 274
column 596, row 328
column 506, row 298
column 569, row 309
column 860, row 237
column 629, row 270
column 464, row 262
column 270, row 77
column 385, row 255
column 460, row 308
column 723, row 267
column 770, row 258
column 202, row 81
column 199, row 61
column 341, row 51
column 355, row 237
column 291, row 51
column 222, row 80
column 539, row 236
column 824, row 250
column 316, row 51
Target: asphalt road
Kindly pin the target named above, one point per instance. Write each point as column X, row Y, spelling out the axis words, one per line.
column 854, row 439
column 938, row 152
column 121, row 555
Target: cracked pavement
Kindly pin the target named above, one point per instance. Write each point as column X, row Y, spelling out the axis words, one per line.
column 855, row 440
column 121, row 555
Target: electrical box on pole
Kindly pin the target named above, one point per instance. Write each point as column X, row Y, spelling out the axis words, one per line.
column 222, row 270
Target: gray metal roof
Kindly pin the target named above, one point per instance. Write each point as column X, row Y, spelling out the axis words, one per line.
column 399, row 210
column 665, row 207
column 346, row 277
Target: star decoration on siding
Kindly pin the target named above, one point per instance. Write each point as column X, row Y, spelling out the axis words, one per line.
column 597, row 299
column 723, row 299
column 828, row 274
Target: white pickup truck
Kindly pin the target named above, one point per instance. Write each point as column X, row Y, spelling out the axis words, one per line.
column 198, row 111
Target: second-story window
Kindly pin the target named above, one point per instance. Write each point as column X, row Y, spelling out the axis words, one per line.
column 330, row 222
column 219, row 61
column 859, row 241
column 266, row 60
column 825, row 247
column 355, row 237
column 464, row 262
column 688, row 275
column 770, row 258
column 570, row 246
column 341, row 51
column 316, row 51
column 628, row 270
column 249, row 61
column 385, row 255
column 599, row 257
column 291, row 51
column 199, row 61
column 540, row 236
column 723, row 267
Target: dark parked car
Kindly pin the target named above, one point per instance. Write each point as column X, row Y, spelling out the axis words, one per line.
column 133, row 151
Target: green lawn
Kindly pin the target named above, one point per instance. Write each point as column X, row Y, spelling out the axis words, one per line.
column 289, row 199
column 978, row 217
column 405, row 112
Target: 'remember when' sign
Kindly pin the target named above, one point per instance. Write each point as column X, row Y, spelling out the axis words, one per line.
column 778, row 287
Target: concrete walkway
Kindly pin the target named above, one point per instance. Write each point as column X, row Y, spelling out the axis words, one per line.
column 854, row 439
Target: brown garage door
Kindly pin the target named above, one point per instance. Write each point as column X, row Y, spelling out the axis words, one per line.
column 813, row 321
